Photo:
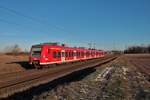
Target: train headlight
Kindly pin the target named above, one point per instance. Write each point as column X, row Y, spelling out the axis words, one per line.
column 46, row 58
column 43, row 56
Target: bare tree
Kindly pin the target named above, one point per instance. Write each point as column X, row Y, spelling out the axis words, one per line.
column 16, row 49
column 138, row 49
column 148, row 48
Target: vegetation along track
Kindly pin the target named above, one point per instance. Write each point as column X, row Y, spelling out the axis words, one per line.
column 12, row 83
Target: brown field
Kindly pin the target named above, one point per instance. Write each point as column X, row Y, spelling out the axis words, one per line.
column 11, row 63
column 147, row 56
column 129, row 81
column 141, row 61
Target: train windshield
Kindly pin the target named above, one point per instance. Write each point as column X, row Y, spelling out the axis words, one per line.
column 36, row 51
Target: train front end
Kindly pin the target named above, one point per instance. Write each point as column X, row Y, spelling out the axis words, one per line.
column 35, row 55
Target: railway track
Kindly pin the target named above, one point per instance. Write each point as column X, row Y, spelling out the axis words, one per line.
column 20, row 81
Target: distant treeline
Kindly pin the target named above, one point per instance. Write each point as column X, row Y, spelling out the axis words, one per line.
column 138, row 49
column 15, row 50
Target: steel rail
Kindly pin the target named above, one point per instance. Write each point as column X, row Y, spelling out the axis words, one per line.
column 14, row 84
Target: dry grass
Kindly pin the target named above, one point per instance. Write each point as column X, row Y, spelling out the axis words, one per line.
column 10, row 63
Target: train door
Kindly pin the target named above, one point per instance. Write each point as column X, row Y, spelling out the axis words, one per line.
column 84, row 54
column 74, row 55
column 63, row 55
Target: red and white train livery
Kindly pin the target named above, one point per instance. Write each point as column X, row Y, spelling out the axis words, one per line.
column 50, row 53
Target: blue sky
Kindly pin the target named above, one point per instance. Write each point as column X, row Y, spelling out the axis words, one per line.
column 111, row 24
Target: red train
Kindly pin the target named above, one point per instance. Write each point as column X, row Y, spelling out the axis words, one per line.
column 52, row 53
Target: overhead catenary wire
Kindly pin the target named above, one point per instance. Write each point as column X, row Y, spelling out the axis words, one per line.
column 8, row 22
column 32, row 18
column 18, row 27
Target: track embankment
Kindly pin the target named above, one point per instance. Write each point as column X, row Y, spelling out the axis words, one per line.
column 20, row 81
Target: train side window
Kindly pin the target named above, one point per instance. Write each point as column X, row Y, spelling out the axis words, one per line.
column 58, row 54
column 54, row 54
column 63, row 54
column 78, row 53
column 49, row 50
column 66, row 54
column 82, row 53
column 70, row 53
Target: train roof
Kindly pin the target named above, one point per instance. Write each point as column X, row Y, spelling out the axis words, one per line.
column 55, row 44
